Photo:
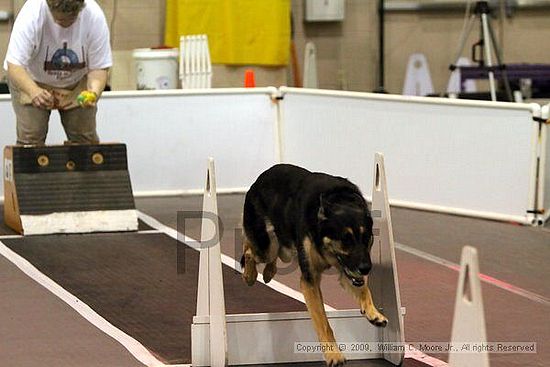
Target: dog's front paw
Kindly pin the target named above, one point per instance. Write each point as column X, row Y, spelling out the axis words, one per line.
column 375, row 317
column 334, row 359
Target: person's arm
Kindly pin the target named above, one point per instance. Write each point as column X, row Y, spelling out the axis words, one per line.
column 40, row 97
column 97, row 79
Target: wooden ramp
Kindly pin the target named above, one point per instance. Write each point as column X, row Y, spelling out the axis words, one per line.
column 68, row 189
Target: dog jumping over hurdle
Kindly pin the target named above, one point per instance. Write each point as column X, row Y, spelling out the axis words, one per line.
column 324, row 221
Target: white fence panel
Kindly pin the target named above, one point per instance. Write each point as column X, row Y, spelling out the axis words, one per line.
column 466, row 157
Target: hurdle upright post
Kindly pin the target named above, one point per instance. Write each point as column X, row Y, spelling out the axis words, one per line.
column 469, row 317
column 383, row 280
column 210, row 294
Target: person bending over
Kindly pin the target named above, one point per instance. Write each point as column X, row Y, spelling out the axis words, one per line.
column 58, row 50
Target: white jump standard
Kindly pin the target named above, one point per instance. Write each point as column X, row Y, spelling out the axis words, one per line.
column 469, row 317
column 219, row 339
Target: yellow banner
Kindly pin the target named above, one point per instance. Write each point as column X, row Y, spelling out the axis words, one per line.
column 245, row 32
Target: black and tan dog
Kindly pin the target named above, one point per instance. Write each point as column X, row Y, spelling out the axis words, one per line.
column 324, row 221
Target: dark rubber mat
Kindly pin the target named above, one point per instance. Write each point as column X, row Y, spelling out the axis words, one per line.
column 134, row 281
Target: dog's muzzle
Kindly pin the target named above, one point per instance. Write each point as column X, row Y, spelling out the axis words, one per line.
column 357, row 281
column 356, row 277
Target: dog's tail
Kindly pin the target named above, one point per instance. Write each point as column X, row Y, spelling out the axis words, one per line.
column 242, row 262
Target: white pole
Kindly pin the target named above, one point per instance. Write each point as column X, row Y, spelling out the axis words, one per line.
column 488, row 55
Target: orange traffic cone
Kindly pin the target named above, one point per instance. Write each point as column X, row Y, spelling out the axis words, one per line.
column 249, row 81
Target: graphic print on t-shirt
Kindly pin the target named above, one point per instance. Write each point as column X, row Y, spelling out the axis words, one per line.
column 63, row 62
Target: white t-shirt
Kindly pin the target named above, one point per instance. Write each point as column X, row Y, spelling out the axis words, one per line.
column 57, row 56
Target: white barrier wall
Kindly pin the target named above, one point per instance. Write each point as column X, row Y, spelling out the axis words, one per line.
column 169, row 135
column 466, row 157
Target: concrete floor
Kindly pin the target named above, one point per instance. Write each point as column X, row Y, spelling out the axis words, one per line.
column 40, row 329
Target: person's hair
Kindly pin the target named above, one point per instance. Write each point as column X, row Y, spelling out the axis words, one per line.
column 65, row 6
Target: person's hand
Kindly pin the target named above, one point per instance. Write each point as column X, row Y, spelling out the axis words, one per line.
column 87, row 99
column 43, row 99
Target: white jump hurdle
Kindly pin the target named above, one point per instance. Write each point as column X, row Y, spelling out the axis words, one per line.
column 195, row 64
column 469, row 317
column 218, row 339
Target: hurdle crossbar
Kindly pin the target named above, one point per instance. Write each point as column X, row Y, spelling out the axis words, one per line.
column 282, row 332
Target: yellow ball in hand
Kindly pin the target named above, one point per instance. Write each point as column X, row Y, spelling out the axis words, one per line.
column 86, row 98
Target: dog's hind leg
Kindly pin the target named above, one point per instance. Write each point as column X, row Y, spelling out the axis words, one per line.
column 248, row 262
column 271, row 254
column 269, row 271
column 256, row 241
column 287, row 253
column 364, row 298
